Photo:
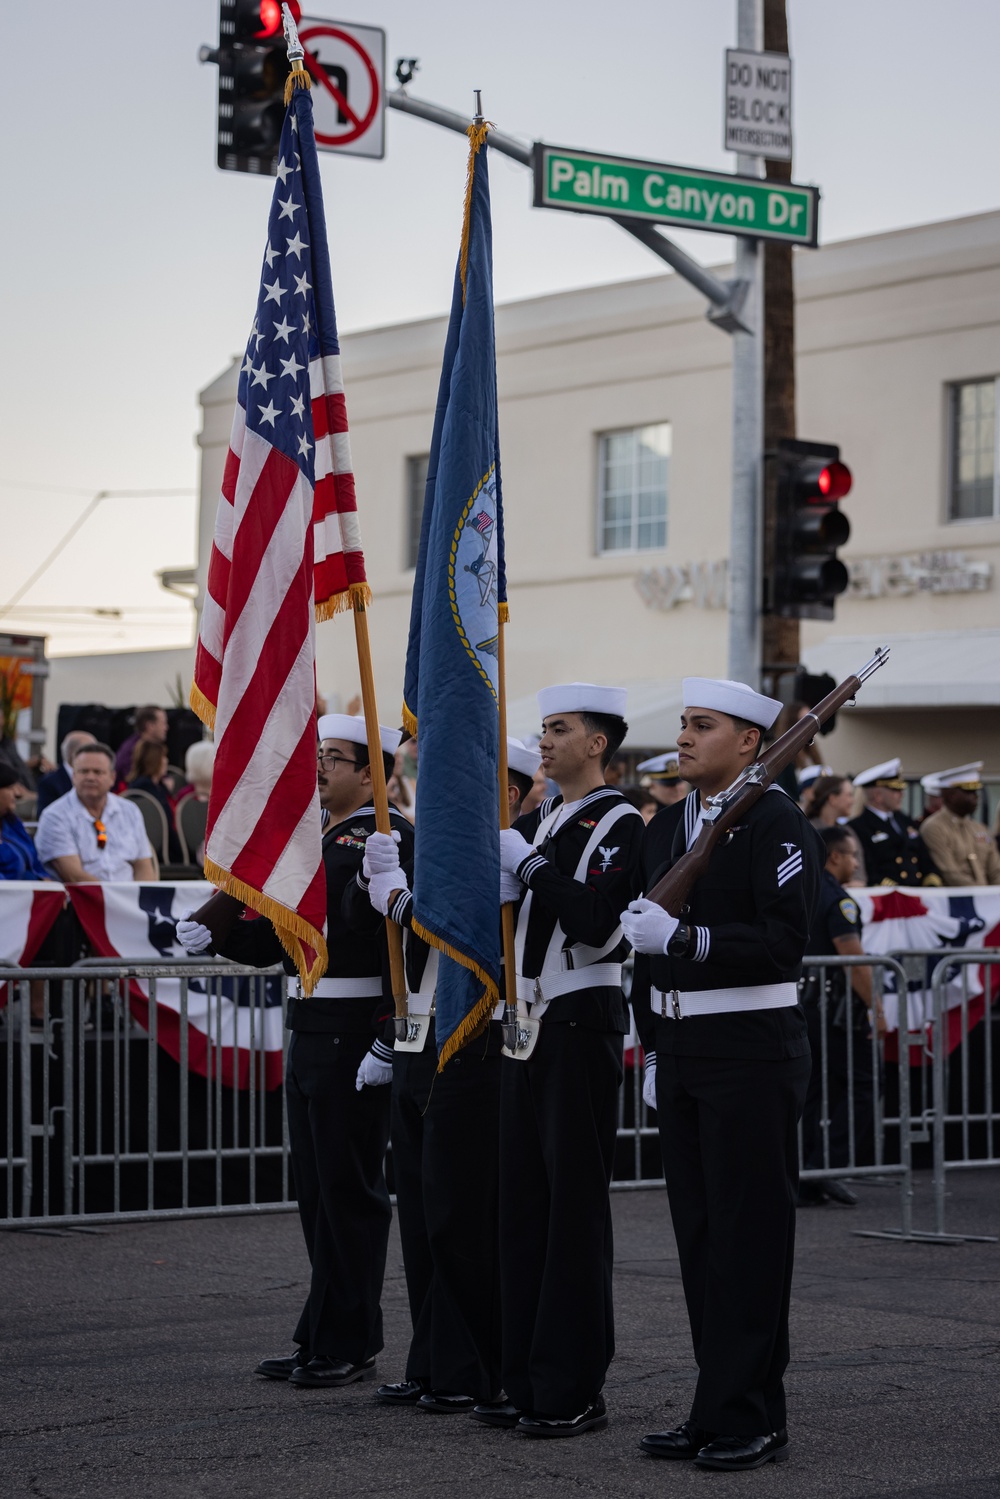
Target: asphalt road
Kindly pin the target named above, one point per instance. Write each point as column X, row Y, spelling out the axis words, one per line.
column 127, row 1355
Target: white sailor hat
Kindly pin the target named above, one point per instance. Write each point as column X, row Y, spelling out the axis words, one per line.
column 351, row 726
column 522, row 759
column 887, row 774
column 931, row 784
column 813, row 773
column 961, row 777
column 665, row 768
column 734, row 698
column 582, row 697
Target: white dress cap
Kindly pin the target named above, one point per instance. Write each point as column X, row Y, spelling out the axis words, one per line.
column 961, row 775
column 734, row 698
column 931, row 784
column 521, row 758
column 351, row 726
column 887, row 772
column 813, row 773
column 582, row 697
column 662, row 767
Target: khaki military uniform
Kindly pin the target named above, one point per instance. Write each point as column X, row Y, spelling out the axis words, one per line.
column 963, row 850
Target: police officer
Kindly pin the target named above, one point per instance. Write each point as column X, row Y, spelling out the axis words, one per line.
column 570, row 865
column 716, row 1004
column 445, row 1155
column 338, row 1115
column 840, row 1024
column 890, row 843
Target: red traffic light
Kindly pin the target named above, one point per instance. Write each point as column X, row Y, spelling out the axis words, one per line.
column 834, row 481
column 270, row 17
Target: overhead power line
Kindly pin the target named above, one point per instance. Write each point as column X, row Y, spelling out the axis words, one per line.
column 81, row 520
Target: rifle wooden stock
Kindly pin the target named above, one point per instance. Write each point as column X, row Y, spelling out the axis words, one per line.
column 672, row 891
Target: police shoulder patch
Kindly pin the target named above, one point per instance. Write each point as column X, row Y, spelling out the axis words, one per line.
column 849, row 910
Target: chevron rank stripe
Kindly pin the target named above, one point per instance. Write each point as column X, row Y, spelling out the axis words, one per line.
column 790, row 867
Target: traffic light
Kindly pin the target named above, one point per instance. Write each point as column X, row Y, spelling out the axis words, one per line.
column 806, row 575
column 253, row 66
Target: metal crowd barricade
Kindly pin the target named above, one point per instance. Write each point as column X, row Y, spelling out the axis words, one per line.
column 102, row 1124
column 966, row 1136
column 893, row 1134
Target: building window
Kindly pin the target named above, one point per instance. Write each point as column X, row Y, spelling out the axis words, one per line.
column 974, row 490
column 632, row 494
column 416, row 482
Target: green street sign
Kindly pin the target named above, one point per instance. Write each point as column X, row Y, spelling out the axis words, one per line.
column 620, row 187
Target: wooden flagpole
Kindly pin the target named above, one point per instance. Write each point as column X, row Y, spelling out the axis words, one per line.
column 380, row 795
column 506, row 911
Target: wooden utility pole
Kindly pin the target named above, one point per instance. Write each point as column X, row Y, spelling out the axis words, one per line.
column 780, row 649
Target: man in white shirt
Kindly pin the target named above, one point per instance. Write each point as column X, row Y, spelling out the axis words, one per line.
column 90, row 834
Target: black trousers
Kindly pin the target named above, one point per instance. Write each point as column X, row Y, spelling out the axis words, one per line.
column 838, row 1103
column 338, row 1139
column 558, row 1119
column 445, row 1143
column 729, row 1137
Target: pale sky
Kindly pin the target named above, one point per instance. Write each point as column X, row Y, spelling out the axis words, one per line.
column 131, row 262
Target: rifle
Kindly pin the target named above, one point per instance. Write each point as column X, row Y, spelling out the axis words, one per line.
column 723, row 811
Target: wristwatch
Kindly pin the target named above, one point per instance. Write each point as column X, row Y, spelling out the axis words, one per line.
column 680, row 943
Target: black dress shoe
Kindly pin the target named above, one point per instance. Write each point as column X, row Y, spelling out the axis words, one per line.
column 594, row 1416
column 324, row 1373
column 811, row 1194
column 736, row 1454
column 406, row 1392
column 446, row 1404
column 837, row 1192
column 281, row 1368
column 684, row 1441
column 496, row 1413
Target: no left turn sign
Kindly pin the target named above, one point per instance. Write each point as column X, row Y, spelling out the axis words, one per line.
column 347, row 64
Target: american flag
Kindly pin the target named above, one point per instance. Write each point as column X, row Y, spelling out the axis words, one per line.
column 286, row 539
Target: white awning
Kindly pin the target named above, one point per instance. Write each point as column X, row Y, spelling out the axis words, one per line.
column 653, row 713
column 928, row 669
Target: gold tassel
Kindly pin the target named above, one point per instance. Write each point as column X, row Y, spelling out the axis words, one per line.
column 297, row 78
column 409, row 721
column 477, row 135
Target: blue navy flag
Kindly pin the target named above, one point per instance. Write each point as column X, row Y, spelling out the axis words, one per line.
column 451, row 681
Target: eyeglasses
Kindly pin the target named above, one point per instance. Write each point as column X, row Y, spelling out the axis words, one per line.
column 328, row 760
column 102, row 836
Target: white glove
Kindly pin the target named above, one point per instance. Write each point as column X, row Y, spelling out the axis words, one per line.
column 192, row 936
column 648, row 926
column 373, row 1072
column 510, row 888
column 381, row 853
column 513, row 849
column 649, row 1081
column 381, row 887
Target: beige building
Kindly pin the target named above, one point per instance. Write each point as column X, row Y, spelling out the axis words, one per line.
column 614, row 431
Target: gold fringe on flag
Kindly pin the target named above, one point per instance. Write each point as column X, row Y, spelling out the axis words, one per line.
column 201, row 705
column 292, row 931
column 481, row 1010
column 409, row 721
column 357, row 596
